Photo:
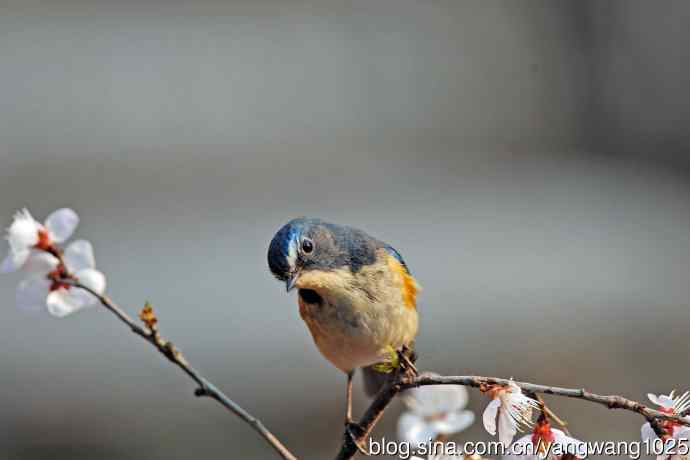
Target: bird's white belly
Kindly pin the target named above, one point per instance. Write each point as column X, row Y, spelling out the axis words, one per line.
column 351, row 336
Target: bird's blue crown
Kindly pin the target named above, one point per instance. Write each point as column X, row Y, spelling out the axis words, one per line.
column 279, row 250
column 335, row 246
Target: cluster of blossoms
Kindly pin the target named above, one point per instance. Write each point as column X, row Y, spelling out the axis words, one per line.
column 676, row 435
column 436, row 412
column 34, row 250
column 546, row 443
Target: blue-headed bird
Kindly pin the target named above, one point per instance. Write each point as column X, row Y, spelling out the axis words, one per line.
column 355, row 293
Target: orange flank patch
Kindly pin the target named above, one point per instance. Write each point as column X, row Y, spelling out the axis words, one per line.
column 409, row 284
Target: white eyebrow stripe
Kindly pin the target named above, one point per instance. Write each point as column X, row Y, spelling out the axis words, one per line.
column 292, row 255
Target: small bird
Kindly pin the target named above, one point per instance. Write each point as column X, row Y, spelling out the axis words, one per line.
column 355, row 293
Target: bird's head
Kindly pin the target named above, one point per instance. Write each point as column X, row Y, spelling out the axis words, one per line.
column 306, row 244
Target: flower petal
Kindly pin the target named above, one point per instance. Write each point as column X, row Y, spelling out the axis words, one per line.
column 647, row 432
column 31, row 294
column 666, row 401
column 455, row 422
column 489, row 416
column 61, row 224
column 92, row 279
column 436, row 399
column 522, row 449
column 23, row 233
column 79, row 255
column 682, row 432
column 414, row 429
column 570, row 445
column 40, row 263
column 14, row 261
column 61, row 303
column 506, row 427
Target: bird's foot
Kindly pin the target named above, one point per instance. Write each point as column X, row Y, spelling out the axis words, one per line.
column 407, row 358
column 390, row 363
column 353, row 431
column 399, row 361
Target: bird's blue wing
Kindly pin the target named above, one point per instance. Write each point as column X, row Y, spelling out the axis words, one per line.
column 392, row 251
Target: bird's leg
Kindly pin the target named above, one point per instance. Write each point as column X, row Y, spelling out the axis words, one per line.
column 348, row 407
column 352, row 429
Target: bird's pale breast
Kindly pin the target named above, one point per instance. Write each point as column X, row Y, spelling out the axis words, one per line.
column 357, row 316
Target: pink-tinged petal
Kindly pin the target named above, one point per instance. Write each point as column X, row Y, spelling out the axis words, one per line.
column 14, row 261
column 647, row 433
column 92, row 279
column 506, row 428
column 414, row 429
column 489, row 416
column 31, row 294
column 40, row 263
column 79, row 255
column 61, row 224
column 61, row 303
column 455, row 422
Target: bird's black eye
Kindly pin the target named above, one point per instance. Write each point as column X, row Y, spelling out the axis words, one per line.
column 307, row 246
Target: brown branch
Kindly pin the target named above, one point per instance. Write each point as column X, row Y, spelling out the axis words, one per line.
column 404, row 382
column 206, row 388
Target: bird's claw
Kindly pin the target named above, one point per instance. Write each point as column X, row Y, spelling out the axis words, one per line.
column 407, row 357
column 351, row 430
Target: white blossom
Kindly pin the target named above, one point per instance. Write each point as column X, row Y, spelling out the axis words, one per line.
column 432, row 411
column 40, row 291
column 546, row 443
column 676, row 441
column 513, row 410
column 26, row 234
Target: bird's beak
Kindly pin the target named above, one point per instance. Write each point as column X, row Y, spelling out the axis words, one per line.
column 290, row 283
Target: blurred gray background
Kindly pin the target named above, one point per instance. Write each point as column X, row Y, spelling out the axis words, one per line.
column 529, row 159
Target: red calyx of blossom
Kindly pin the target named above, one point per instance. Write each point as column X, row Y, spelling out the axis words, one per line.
column 667, row 425
column 44, row 241
column 542, row 431
column 491, row 389
column 60, row 273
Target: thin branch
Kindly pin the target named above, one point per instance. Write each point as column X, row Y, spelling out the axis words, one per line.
column 553, row 416
column 546, row 410
column 206, row 388
column 404, row 382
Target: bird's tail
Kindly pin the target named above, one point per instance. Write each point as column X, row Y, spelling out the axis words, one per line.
column 374, row 380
